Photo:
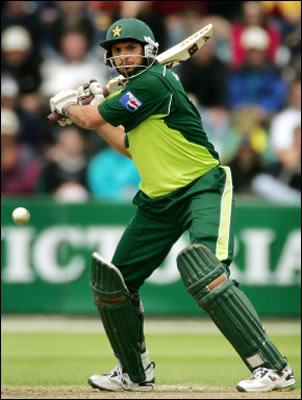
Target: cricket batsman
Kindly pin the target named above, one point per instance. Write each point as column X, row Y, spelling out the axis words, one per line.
column 183, row 188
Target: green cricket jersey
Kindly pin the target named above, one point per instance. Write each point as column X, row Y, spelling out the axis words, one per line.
column 165, row 136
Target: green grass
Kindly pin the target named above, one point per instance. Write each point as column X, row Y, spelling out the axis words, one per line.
column 69, row 359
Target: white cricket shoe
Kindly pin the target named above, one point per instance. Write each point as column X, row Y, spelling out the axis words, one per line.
column 266, row 380
column 117, row 381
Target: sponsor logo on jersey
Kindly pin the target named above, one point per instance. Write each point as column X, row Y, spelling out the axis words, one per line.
column 130, row 102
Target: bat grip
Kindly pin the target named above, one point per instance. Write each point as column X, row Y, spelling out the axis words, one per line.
column 54, row 116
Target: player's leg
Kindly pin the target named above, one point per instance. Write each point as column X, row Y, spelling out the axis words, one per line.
column 210, row 215
column 122, row 326
column 141, row 249
column 204, row 271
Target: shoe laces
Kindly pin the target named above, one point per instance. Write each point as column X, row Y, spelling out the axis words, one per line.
column 117, row 371
column 259, row 373
column 123, row 378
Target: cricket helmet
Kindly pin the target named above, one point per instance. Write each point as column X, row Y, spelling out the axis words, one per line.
column 130, row 29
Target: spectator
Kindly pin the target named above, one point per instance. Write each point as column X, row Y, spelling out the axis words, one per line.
column 222, row 36
column 282, row 182
column 229, row 10
column 112, row 176
column 178, row 7
column 9, row 92
column 20, row 168
column 145, row 11
column 70, row 16
column 23, row 13
column 245, row 166
column 102, row 16
column 287, row 15
column 10, row 98
column 204, row 78
column 287, row 12
column 64, row 173
column 180, row 18
column 254, row 14
column 283, row 124
column 257, row 82
column 204, row 75
column 216, row 122
column 288, row 168
column 245, row 127
column 22, row 64
column 18, row 59
column 72, row 68
column 108, row 8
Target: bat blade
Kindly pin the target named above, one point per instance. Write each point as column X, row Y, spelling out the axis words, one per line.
column 171, row 57
column 185, row 50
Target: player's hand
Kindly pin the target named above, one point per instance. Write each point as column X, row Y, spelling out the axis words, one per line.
column 93, row 88
column 61, row 100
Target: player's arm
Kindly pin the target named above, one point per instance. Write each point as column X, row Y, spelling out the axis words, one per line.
column 115, row 136
column 88, row 117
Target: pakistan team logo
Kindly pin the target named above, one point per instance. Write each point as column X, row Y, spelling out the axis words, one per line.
column 117, row 31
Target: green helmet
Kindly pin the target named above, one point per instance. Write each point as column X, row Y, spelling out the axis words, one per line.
column 127, row 29
column 131, row 29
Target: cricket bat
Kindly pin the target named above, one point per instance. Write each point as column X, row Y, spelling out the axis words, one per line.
column 170, row 58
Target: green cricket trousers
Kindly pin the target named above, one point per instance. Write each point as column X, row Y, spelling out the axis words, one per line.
column 204, row 208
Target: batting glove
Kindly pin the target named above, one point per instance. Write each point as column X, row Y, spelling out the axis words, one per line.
column 93, row 88
column 84, row 91
column 64, row 121
column 61, row 100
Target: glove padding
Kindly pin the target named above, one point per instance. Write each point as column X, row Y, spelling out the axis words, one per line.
column 93, row 88
column 61, row 100
column 64, row 121
column 64, row 98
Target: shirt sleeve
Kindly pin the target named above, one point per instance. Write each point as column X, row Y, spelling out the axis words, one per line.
column 144, row 96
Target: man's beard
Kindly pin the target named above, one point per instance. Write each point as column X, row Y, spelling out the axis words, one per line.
column 121, row 70
column 127, row 74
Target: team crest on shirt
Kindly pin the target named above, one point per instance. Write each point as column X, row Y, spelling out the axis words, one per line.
column 130, row 102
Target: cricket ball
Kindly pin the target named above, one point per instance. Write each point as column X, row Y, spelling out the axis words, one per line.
column 21, row 216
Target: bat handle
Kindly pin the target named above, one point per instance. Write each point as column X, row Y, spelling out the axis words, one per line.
column 54, row 116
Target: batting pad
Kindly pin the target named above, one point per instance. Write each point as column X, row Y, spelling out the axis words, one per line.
column 228, row 307
column 119, row 316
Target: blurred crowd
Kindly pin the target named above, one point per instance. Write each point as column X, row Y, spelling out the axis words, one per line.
column 245, row 82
